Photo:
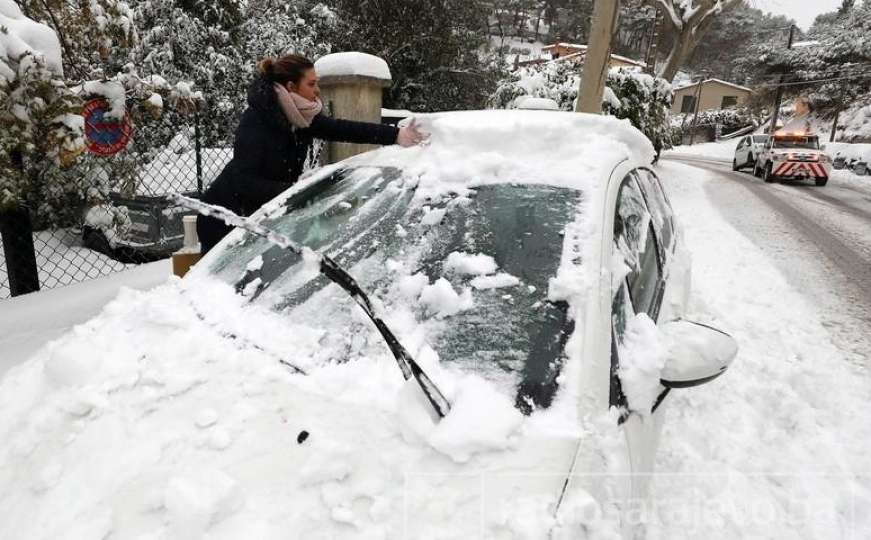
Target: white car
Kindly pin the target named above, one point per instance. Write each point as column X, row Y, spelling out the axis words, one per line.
column 528, row 261
column 748, row 149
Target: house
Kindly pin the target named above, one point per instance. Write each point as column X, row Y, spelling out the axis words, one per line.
column 714, row 94
column 577, row 53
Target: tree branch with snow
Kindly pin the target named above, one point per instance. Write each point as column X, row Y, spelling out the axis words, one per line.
column 688, row 20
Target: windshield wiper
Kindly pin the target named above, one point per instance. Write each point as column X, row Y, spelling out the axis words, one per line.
column 328, row 267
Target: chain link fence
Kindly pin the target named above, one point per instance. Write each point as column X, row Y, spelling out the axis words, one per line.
column 125, row 217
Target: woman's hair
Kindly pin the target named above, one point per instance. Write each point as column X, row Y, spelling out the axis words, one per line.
column 288, row 68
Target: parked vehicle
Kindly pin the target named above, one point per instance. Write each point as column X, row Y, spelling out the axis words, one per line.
column 748, row 149
column 520, row 256
column 851, row 156
column 793, row 156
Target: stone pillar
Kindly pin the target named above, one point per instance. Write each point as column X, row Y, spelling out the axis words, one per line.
column 351, row 86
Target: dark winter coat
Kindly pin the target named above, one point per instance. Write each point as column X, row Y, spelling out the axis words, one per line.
column 268, row 156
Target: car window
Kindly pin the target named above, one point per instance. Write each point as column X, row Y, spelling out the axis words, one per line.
column 635, row 239
column 375, row 224
column 660, row 210
column 761, row 139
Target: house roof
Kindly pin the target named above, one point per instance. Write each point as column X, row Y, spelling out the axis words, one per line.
column 582, row 51
column 727, row 83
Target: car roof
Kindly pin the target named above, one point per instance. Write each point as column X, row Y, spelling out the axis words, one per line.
column 564, row 149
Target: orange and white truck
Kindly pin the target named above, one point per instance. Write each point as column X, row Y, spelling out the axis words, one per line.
column 793, row 156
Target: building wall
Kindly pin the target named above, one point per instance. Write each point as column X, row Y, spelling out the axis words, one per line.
column 711, row 97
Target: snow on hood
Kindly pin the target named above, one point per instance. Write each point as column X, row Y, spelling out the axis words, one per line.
column 151, row 421
column 175, row 414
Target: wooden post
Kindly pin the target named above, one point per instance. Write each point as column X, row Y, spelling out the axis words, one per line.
column 351, row 95
column 598, row 56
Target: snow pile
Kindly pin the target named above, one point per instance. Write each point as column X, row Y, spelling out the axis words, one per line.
column 642, row 358
column 481, row 419
column 352, row 63
column 470, row 264
column 497, row 281
column 191, row 427
column 441, row 298
column 533, row 103
column 21, row 36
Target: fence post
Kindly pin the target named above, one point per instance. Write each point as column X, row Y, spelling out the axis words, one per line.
column 198, row 149
column 17, row 232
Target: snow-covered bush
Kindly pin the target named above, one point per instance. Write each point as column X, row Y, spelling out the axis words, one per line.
column 729, row 119
column 40, row 128
column 642, row 99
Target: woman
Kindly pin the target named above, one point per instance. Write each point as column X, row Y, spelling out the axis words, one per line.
column 273, row 139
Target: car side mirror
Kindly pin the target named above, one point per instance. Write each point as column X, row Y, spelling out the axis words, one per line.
column 697, row 353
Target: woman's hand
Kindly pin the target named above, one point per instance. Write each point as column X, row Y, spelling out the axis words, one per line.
column 410, row 135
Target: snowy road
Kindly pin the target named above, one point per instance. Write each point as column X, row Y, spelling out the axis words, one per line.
column 777, row 447
column 820, row 238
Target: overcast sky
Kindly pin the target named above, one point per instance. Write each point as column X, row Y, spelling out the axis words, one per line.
column 803, row 11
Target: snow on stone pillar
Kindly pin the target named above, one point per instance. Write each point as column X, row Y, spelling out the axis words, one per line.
column 351, row 85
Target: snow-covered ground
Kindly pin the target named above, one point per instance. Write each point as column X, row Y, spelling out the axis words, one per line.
column 29, row 322
column 777, row 447
column 721, row 150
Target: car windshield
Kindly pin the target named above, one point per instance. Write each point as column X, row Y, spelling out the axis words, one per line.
column 760, row 139
column 812, row 143
column 430, row 256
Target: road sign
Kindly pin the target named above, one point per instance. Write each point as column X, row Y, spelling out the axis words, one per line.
column 105, row 136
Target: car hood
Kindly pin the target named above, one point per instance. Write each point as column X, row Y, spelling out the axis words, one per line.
column 163, row 418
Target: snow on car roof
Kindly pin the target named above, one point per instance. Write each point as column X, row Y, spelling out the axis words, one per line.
column 563, row 149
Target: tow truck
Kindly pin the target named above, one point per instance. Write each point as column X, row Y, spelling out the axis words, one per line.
column 793, row 156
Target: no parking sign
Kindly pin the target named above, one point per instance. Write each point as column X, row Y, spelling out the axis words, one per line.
column 105, row 136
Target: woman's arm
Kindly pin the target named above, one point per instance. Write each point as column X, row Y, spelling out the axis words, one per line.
column 333, row 129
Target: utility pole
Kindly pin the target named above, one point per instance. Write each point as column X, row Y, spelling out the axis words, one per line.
column 696, row 112
column 778, row 95
column 598, row 56
column 653, row 43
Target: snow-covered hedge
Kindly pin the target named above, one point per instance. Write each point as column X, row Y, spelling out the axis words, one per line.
column 39, row 123
column 638, row 97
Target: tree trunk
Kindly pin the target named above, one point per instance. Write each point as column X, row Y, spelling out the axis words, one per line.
column 17, row 232
column 684, row 44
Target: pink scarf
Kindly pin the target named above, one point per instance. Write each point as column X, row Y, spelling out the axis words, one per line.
column 298, row 110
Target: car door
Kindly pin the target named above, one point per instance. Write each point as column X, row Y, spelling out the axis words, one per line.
column 644, row 241
column 741, row 151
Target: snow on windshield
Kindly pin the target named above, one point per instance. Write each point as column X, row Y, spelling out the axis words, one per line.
column 475, row 280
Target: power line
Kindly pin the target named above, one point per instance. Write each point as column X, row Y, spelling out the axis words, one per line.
column 862, row 75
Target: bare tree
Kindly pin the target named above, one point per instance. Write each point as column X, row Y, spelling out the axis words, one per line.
column 687, row 21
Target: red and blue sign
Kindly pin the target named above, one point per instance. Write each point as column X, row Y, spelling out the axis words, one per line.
column 105, row 136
